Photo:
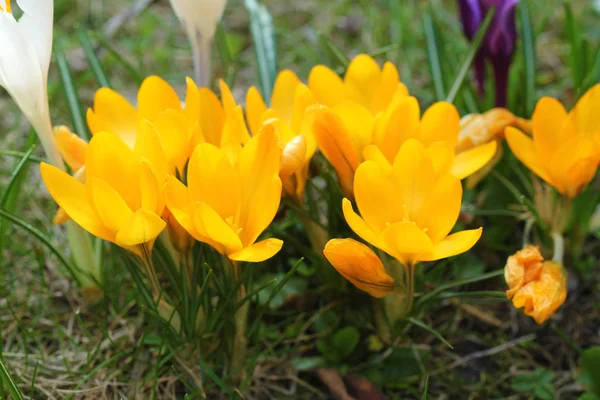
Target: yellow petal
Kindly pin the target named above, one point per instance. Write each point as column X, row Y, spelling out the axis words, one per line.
column 327, row 86
column 149, row 146
column 574, row 164
column 442, row 157
column 524, row 149
column 255, row 108
column 258, row 252
column 293, row 156
column 212, row 116
column 151, row 189
column 441, row 122
column 548, row 122
column 213, row 180
column 405, row 241
column 156, row 95
column 377, row 197
column 235, row 131
column 358, row 225
column 209, row 224
column 452, row 245
column 441, row 209
column 259, row 208
column 470, row 161
column 142, row 227
column 284, row 92
column 358, row 122
column 226, row 97
column 362, row 79
column 178, row 236
column 110, row 160
column 112, row 112
column 109, row 205
column 399, row 123
column 373, row 153
column 175, row 136
column 336, row 145
column 585, row 113
column 60, row 217
column 521, row 268
column 192, row 101
column 386, row 88
column 303, row 99
column 179, row 203
column 72, row 148
column 360, row 265
column 70, row 195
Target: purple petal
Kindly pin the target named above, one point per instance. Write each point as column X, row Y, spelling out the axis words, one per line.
column 502, row 35
column 471, row 16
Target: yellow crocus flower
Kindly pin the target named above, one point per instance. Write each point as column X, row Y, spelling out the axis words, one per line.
column 364, row 83
column 230, row 200
column 565, row 148
column 120, row 200
column 537, row 285
column 410, row 212
column 289, row 102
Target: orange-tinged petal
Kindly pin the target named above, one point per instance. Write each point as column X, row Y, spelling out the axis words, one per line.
column 399, row 123
column 142, row 226
column 213, row 180
column 524, row 149
column 405, row 241
column 327, row 86
column 209, row 224
column 109, row 205
column 574, row 164
column 303, row 99
column 470, row 161
column 211, row 116
column 441, row 122
column 258, row 252
column 112, row 112
column 336, row 145
column 110, row 160
column 72, row 148
column 255, row 108
column 156, row 95
column 359, row 265
column 453, row 245
column 284, row 92
column 386, row 88
column 374, row 153
column 70, row 195
column 543, row 296
column 358, row 225
column 548, row 122
column 521, row 268
column 362, row 79
column 358, row 122
column 585, row 113
column 179, row 203
column 293, row 156
column 60, row 217
column 377, row 196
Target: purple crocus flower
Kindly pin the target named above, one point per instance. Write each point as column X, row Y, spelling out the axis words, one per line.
column 499, row 43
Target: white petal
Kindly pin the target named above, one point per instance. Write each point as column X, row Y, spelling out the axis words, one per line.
column 36, row 25
column 199, row 17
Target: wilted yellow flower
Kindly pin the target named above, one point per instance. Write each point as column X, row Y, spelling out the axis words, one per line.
column 565, row 149
column 537, row 285
column 229, row 201
column 408, row 212
column 120, row 200
column 364, row 83
column 348, row 134
column 286, row 113
column 360, row 265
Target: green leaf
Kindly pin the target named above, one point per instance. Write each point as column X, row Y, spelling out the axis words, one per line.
column 527, row 383
column 575, row 54
column 335, row 54
column 292, row 287
column 470, row 56
column 590, row 370
column 95, row 63
column 529, row 58
column 429, row 329
column 545, row 391
column 263, row 35
column 9, row 383
column 308, row 363
column 346, row 339
column 71, row 92
column 588, row 396
column 433, row 57
column 426, row 388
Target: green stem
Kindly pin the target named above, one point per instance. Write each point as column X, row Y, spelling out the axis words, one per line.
column 559, row 247
column 240, row 342
column 9, row 383
column 146, row 257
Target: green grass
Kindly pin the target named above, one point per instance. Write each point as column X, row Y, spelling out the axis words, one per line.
column 54, row 345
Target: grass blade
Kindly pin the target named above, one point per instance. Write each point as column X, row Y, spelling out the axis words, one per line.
column 433, row 57
column 9, row 383
column 576, row 64
column 528, row 57
column 470, row 56
column 333, row 51
column 72, row 98
column 429, row 329
column 263, row 35
column 426, row 388
column 131, row 69
column 95, row 63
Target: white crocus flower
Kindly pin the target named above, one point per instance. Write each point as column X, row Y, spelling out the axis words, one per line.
column 25, row 51
column 200, row 18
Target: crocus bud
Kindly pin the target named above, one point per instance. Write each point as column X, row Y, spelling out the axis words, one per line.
column 500, row 41
column 537, row 285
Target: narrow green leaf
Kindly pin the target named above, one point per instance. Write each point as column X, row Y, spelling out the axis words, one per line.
column 20, row 154
column 333, row 51
column 575, row 53
column 225, row 53
column 528, row 57
column 429, row 329
column 426, row 388
column 71, row 92
column 433, row 57
column 477, row 293
column 470, row 56
column 129, row 67
column 593, row 76
column 44, row 239
column 15, row 175
column 9, row 383
column 263, row 35
column 95, row 63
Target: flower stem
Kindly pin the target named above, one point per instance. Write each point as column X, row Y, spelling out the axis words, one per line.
column 202, row 54
column 240, row 342
column 559, row 247
column 146, row 257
